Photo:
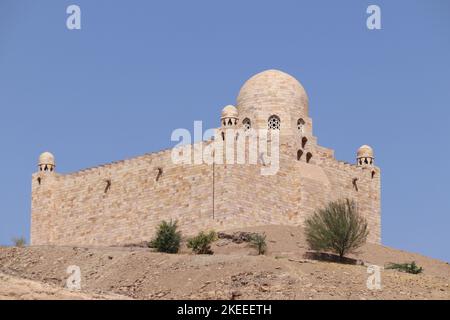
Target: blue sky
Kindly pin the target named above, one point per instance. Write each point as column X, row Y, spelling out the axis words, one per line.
column 139, row 69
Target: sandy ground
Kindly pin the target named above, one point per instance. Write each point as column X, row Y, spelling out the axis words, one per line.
column 233, row 272
column 13, row 288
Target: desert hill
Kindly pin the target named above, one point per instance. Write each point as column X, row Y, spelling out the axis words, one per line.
column 233, row 272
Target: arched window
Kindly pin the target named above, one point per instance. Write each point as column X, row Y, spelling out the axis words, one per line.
column 274, row 122
column 301, row 126
column 355, row 183
column 247, row 124
column 308, row 157
column 299, row 154
column 304, row 141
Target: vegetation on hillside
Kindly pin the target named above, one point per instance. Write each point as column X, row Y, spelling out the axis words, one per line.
column 258, row 241
column 201, row 243
column 167, row 238
column 337, row 228
column 406, row 267
column 19, row 242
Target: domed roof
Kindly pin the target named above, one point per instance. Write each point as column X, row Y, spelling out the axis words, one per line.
column 46, row 158
column 365, row 151
column 274, row 92
column 229, row 112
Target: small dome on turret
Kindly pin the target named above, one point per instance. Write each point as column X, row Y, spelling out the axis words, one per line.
column 47, row 158
column 229, row 112
column 364, row 156
column 365, row 151
column 46, row 162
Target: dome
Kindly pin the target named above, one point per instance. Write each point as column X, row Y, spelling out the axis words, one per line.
column 273, row 92
column 46, row 158
column 229, row 112
column 365, row 151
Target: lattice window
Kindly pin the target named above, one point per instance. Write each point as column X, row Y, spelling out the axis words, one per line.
column 274, row 123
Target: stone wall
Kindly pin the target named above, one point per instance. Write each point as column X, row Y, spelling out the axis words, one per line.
column 123, row 202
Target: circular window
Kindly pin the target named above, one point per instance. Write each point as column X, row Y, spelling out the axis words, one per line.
column 274, row 123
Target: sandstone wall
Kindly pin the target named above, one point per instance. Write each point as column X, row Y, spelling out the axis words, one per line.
column 83, row 208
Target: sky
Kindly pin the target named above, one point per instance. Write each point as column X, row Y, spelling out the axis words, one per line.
column 138, row 69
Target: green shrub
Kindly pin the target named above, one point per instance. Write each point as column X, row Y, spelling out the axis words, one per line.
column 406, row 267
column 167, row 238
column 337, row 228
column 201, row 243
column 258, row 241
column 19, row 242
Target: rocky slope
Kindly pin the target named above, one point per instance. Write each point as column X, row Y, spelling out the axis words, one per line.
column 233, row 272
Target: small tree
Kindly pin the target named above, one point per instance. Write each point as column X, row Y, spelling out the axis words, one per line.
column 201, row 243
column 167, row 237
column 338, row 228
column 258, row 241
column 19, row 242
